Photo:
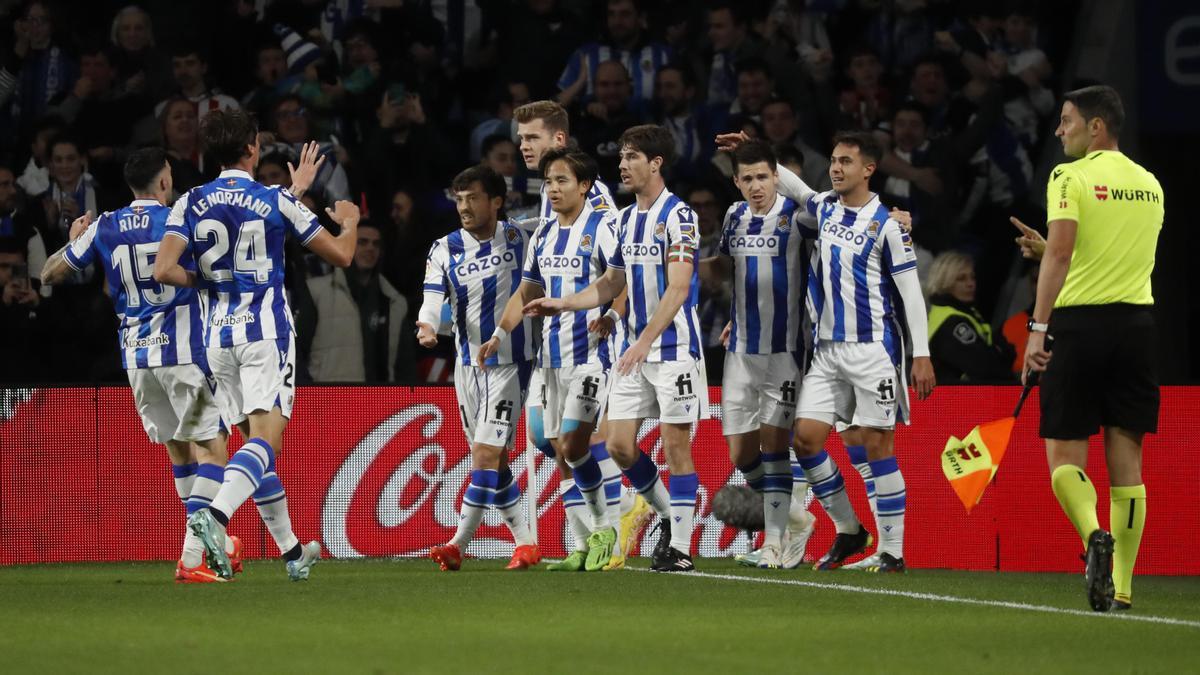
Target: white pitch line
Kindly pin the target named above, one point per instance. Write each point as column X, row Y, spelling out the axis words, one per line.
column 953, row 599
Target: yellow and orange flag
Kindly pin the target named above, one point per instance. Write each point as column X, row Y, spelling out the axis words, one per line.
column 970, row 462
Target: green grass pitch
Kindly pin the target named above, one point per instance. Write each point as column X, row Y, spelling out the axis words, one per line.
column 385, row 616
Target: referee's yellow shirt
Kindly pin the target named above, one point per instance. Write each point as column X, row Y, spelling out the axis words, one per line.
column 1119, row 208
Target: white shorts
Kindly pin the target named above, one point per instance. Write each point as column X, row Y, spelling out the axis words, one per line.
column 537, row 390
column 175, row 403
column 490, row 401
column 759, row 389
column 254, row 376
column 573, row 393
column 676, row 392
column 854, row 382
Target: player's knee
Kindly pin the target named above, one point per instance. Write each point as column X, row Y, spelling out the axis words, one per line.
column 486, row 456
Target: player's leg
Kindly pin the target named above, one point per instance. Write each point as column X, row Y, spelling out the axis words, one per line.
column 681, row 389
column 891, row 501
column 740, row 405
column 856, row 449
column 775, row 384
column 548, row 422
column 504, row 389
column 1127, row 508
column 480, row 492
column 630, row 400
column 573, row 402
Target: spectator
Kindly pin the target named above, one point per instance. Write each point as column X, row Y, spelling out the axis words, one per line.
column 601, row 124
column 273, row 80
column 754, row 87
column 917, row 175
column 44, row 70
column 781, row 127
column 35, row 179
column 21, row 339
column 500, row 155
column 359, row 316
column 273, row 170
column 535, row 38
column 629, row 43
column 181, row 139
column 902, row 32
column 713, row 310
column 405, row 149
column 189, row 67
column 19, row 223
column 71, row 194
column 99, row 113
column 1035, row 101
column 291, row 124
column 961, row 343
column 674, row 96
column 866, row 102
column 407, row 239
column 142, row 68
column 506, row 99
column 729, row 36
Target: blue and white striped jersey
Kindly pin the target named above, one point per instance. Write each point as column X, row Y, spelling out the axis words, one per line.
column 641, row 64
column 647, row 241
column 479, row 277
column 236, row 228
column 565, row 260
column 161, row 325
column 769, row 277
column 859, row 251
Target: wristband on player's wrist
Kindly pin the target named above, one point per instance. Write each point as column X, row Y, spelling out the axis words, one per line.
column 1035, row 327
column 612, row 314
column 500, row 334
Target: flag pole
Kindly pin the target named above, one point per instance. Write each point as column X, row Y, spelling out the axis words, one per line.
column 1030, row 383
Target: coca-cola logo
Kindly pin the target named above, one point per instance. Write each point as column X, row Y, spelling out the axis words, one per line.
column 398, row 492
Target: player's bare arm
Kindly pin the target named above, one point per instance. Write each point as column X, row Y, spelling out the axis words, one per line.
column 56, row 268
column 1051, row 275
column 527, row 292
column 167, row 269
column 339, row 250
column 679, row 281
column 601, row 291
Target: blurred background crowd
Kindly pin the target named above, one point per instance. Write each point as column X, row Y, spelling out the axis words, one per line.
column 403, row 94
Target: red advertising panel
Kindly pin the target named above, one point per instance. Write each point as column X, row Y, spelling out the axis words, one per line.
column 379, row 472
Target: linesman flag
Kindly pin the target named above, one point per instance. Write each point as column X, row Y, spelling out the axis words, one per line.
column 970, row 463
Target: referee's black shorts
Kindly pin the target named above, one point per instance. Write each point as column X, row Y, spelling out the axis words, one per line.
column 1102, row 371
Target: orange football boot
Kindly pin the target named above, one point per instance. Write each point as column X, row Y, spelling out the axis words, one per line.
column 235, row 556
column 448, row 557
column 524, row 557
column 200, row 574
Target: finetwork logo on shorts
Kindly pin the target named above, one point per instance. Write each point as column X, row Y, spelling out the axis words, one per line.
column 887, row 392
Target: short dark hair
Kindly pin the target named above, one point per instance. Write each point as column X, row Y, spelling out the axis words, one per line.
column 492, row 182
column 914, row 107
column 183, row 48
column 277, row 159
column 492, row 141
column 736, row 12
column 143, row 166
column 581, row 164
column 685, row 73
column 753, row 152
column 753, row 64
column 786, row 153
column 652, row 141
column 225, row 134
column 62, row 138
column 867, row 146
column 1100, row 101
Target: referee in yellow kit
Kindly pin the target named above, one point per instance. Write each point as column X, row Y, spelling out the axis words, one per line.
column 1104, row 213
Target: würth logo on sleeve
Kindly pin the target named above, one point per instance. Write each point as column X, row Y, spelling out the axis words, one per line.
column 1101, row 192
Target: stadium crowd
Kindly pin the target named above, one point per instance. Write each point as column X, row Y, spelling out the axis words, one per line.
column 403, row 94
